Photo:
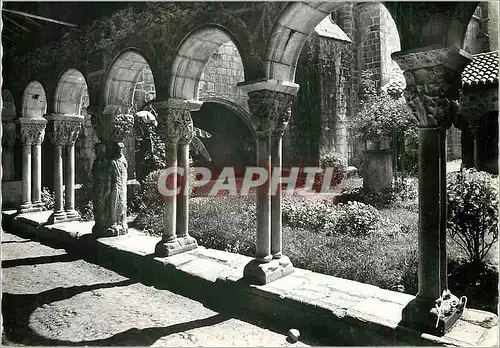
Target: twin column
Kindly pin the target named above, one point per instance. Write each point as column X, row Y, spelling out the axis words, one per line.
column 63, row 132
column 32, row 135
column 270, row 105
column 176, row 127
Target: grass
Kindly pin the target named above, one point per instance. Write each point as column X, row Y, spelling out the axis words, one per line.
column 386, row 258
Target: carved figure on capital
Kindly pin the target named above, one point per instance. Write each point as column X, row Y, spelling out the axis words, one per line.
column 431, row 93
column 175, row 123
column 32, row 133
column 271, row 110
column 113, row 124
column 64, row 132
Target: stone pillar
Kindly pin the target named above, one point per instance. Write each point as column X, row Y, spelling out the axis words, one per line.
column 270, row 104
column 63, row 130
column 36, row 193
column 276, row 165
column 183, row 197
column 433, row 81
column 176, row 127
column 109, row 170
column 32, row 134
column 9, row 137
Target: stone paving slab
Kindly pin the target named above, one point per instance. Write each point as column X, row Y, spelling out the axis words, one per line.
column 340, row 305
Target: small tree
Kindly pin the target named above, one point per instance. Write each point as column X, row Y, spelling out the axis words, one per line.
column 473, row 212
column 380, row 115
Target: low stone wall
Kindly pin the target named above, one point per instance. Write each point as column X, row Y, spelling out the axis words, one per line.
column 348, row 312
column 11, row 193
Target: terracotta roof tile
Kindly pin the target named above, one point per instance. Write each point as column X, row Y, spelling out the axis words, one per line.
column 482, row 70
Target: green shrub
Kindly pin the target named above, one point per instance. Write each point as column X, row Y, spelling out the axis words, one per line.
column 225, row 223
column 313, row 214
column 379, row 198
column 86, row 212
column 407, row 189
column 148, row 204
column 339, row 164
column 473, row 212
column 48, row 199
column 357, row 219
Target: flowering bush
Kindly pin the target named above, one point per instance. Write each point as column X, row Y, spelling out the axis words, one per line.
column 308, row 213
column 473, row 212
column 48, row 198
column 380, row 115
column 339, row 164
column 357, row 219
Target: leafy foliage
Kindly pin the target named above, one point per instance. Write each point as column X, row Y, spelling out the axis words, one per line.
column 380, row 115
column 48, row 198
column 358, row 218
column 473, row 211
column 339, row 164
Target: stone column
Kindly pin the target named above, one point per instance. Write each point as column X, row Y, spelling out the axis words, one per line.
column 109, row 170
column 176, row 126
column 276, row 163
column 63, row 131
column 36, row 193
column 9, row 137
column 183, row 197
column 433, row 81
column 32, row 134
column 269, row 103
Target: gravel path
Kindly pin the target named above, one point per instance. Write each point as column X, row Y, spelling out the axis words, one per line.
column 52, row 298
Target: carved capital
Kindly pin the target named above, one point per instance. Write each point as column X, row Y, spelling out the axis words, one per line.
column 32, row 130
column 64, row 129
column 9, row 134
column 270, row 110
column 114, row 124
column 432, row 83
column 175, row 123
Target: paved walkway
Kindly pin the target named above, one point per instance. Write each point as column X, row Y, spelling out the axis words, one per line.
column 52, row 298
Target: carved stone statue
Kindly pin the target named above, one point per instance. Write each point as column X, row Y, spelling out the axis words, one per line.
column 101, row 189
column 118, row 190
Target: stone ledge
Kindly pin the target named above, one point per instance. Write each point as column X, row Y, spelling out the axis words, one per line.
column 354, row 313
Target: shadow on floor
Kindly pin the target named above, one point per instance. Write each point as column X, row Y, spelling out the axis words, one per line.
column 16, row 241
column 30, row 261
column 17, row 308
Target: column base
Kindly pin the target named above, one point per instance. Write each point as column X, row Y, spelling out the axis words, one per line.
column 261, row 273
column 57, row 217
column 421, row 314
column 28, row 208
column 105, row 231
column 179, row 245
column 72, row 215
column 39, row 205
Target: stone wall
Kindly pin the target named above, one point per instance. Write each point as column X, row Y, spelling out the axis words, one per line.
column 222, row 72
column 320, row 112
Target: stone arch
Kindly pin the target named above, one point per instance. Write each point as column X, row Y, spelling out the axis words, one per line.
column 34, row 100
column 8, row 106
column 71, row 93
column 123, row 76
column 192, row 56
